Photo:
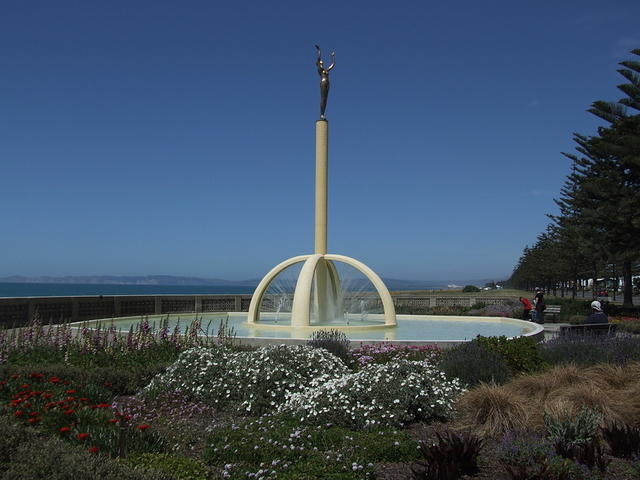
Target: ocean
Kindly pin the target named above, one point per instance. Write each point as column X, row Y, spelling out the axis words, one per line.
column 78, row 289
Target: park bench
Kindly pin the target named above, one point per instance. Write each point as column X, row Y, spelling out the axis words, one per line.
column 552, row 310
column 589, row 329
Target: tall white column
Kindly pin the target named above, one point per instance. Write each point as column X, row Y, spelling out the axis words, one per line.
column 322, row 167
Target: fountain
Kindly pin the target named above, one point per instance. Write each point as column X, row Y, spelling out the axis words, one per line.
column 318, row 288
column 322, row 297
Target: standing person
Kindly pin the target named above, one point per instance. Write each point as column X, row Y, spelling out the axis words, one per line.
column 540, row 306
column 597, row 315
column 527, row 307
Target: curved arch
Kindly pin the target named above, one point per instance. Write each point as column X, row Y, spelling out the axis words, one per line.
column 256, row 299
column 385, row 296
column 300, row 311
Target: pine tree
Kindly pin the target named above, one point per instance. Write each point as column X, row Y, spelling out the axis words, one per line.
column 604, row 193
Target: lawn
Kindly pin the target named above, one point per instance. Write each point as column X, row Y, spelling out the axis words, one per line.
column 506, row 292
column 156, row 405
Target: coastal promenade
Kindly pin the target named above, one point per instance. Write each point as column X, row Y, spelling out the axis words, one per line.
column 16, row 312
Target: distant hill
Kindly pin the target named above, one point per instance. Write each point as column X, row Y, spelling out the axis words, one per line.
column 130, row 280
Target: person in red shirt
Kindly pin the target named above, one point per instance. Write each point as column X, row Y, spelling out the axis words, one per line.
column 527, row 307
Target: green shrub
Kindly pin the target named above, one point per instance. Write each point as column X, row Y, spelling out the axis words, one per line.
column 334, row 341
column 280, row 447
column 629, row 326
column 470, row 289
column 616, row 310
column 55, row 459
column 252, row 382
column 118, row 381
column 576, row 438
column 591, row 349
column 79, row 356
column 526, row 456
column 178, row 468
column 521, row 353
column 473, row 364
column 390, row 394
column 580, row 429
column 570, row 308
column 13, row 435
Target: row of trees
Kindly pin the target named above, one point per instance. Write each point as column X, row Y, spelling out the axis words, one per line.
column 598, row 225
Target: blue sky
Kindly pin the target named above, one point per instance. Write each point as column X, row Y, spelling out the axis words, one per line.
column 155, row 137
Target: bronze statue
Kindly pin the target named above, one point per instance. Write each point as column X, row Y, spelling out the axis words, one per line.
column 324, row 80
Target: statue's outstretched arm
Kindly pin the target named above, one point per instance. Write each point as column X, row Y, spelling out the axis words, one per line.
column 319, row 54
column 333, row 61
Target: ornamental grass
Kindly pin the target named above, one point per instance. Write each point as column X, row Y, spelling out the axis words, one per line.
column 490, row 411
column 613, row 392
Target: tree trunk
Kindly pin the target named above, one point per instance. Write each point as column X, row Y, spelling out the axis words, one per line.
column 628, row 285
column 574, row 290
column 594, row 285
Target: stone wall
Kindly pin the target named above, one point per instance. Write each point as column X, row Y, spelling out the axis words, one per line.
column 18, row 311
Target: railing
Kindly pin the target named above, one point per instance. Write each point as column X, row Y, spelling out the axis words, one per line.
column 15, row 312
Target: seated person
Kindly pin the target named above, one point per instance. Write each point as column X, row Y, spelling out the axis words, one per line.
column 597, row 315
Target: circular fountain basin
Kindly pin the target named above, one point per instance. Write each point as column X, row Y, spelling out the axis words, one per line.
column 443, row 331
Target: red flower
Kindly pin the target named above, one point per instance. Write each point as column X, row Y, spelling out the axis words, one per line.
column 18, row 413
column 64, row 429
column 93, row 449
column 102, row 405
column 84, row 399
column 82, row 436
column 36, row 375
column 54, row 380
column 69, row 412
column 24, row 385
column 108, row 384
column 69, row 392
column 33, row 420
column 47, row 395
column 15, row 376
column 34, row 414
column 113, row 420
column 144, row 426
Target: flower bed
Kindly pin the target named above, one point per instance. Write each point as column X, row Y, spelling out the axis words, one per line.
column 252, row 382
column 67, row 406
column 391, row 394
column 81, row 415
